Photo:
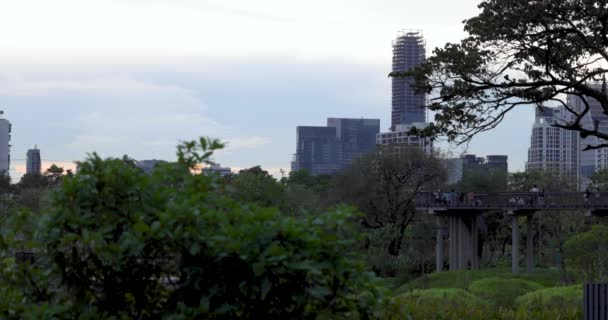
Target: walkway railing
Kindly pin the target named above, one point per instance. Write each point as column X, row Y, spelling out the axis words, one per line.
column 513, row 201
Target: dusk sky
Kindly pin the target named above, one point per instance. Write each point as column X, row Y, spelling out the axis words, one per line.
column 137, row 76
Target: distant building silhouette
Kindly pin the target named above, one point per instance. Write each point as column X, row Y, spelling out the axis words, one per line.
column 490, row 162
column 33, row 164
column 5, row 138
column 148, row 165
column 217, row 168
column 355, row 137
column 409, row 51
column 326, row 150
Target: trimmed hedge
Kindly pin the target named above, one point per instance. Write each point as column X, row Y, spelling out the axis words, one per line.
column 438, row 304
column 502, row 292
column 559, row 302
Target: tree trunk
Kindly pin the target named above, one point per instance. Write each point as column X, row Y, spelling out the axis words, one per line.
column 394, row 247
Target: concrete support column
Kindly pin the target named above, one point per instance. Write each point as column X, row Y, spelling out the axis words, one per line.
column 452, row 232
column 475, row 243
column 515, row 244
column 439, row 245
column 530, row 244
column 461, row 244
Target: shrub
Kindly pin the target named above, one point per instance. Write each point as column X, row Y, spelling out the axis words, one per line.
column 438, row 304
column 502, row 292
column 552, row 303
column 122, row 244
column 588, row 253
column 463, row 278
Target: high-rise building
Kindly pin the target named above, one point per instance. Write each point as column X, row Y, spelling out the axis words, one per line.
column 409, row 51
column 217, row 168
column 356, row 136
column 554, row 149
column 326, row 150
column 591, row 160
column 33, row 164
column 5, row 138
column 317, row 150
column 401, row 136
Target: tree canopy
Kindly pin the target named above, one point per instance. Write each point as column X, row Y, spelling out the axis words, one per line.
column 519, row 53
column 116, row 243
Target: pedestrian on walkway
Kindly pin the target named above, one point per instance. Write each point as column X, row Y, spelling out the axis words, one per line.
column 471, row 198
column 587, row 195
column 534, row 199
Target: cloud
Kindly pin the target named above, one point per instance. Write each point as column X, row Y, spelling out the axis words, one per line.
column 20, row 85
column 246, row 143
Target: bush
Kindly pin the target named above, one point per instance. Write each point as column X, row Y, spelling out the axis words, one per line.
column 502, row 292
column 463, row 278
column 588, row 253
column 122, row 244
column 438, row 304
column 552, row 303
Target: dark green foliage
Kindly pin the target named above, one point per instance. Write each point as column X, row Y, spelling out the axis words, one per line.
column 117, row 243
column 255, row 185
column 438, row 304
column 599, row 179
column 480, row 180
column 487, row 294
column 318, row 183
column 552, row 303
column 502, row 292
column 384, row 184
column 587, row 252
column 550, row 182
column 414, row 259
column 464, row 278
column 305, row 193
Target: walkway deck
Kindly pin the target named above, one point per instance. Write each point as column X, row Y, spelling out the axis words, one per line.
column 517, row 201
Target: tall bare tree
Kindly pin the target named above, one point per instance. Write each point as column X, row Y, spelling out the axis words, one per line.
column 384, row 184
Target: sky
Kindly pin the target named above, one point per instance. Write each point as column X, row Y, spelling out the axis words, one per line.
column 136, row 77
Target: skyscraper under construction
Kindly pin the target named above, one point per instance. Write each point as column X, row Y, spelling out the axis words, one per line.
column 409, row 50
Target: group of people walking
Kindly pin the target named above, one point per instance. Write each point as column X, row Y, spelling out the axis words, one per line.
column 453, row 198
column 535, row 197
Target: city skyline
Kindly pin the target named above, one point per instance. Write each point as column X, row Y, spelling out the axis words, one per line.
column 89, row 86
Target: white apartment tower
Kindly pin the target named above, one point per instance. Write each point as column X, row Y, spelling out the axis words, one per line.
column 561, row 151
column 591, row 160
column 401, row 136
column 5, row 138
column 551, row 148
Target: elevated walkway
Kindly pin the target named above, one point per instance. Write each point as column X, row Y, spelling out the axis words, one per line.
column 461, row 215
column 596, row 202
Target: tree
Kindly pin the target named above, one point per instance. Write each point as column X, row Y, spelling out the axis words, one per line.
column 384, row 185
column 305, row 193
column 519, row 53
column 599, row 179
column 117, row 243
column 547, row 180
column 256, row 185
column 588, row 252
column 480, row 180
column 53, row 175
